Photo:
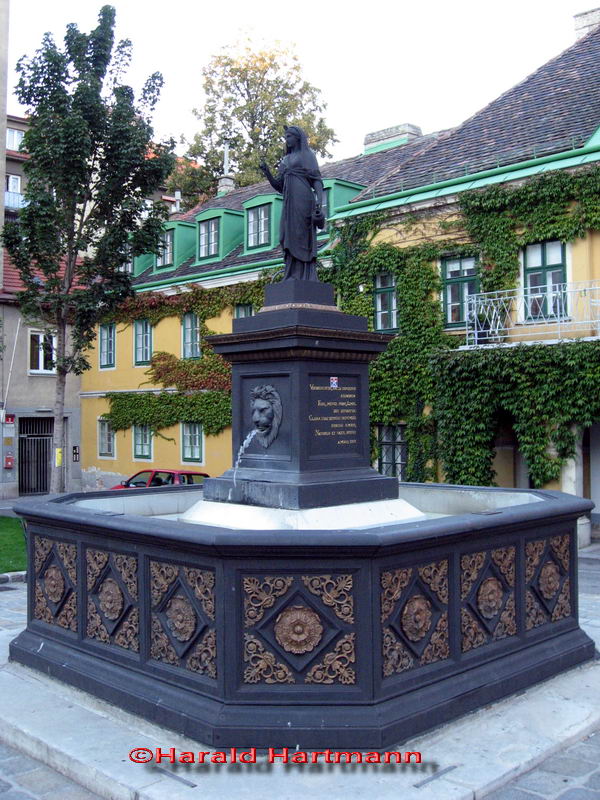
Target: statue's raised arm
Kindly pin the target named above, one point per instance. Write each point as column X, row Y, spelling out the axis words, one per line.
column 299, row 181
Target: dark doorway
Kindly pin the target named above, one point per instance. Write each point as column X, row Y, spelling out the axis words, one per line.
column 35, row 452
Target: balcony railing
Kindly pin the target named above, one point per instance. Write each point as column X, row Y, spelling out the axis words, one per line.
column 13, row 200
column 541, row 314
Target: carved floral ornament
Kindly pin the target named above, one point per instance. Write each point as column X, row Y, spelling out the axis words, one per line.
column 549, row 581
column 54, row 583
column 111, row 599
column 416, row 617
column 489, row 597
column 181, row 618
column 298, row 629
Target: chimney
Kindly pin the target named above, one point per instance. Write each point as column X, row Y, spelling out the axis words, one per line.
column 226, row 183
column 586, row 22
column 391, row 137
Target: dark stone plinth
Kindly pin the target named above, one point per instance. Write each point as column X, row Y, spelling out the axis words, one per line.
column 316, row 360
column 346, row 639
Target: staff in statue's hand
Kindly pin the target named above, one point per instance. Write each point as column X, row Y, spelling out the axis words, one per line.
column 299, row 181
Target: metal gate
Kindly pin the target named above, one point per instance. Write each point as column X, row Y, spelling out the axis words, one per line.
column 35, row 451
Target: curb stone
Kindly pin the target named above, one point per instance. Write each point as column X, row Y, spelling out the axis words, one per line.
column 13, row 577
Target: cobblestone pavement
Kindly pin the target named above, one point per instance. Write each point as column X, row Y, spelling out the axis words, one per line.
column 572, row 774
column 24, row 778
column 21, row 777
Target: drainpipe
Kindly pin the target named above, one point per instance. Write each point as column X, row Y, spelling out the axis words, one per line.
column 12, row 361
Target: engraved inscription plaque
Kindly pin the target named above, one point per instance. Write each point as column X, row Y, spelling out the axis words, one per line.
column 333, row 415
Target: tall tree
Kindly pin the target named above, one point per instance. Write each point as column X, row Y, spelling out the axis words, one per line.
column 92, row 164
column 250, row 96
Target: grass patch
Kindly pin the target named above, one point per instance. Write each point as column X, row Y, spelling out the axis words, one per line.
column 13, row 556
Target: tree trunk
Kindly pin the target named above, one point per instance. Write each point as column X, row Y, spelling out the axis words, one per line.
column 57, row 473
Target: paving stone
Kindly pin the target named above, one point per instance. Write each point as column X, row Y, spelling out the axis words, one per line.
column 18, row 765
column 7, row 752
column 546, row 783
column 71, row 793
column 593, row 782
column 579, row 794
column 15, row 794
column 511, row 793
column 42, row 780
column 564, row 765
column 587, row 752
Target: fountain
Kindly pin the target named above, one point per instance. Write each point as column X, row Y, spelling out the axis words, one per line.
column 302, row 599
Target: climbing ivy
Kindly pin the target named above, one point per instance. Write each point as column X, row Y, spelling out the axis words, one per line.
column 546, row 391
column 211, row 409
column 502, row 219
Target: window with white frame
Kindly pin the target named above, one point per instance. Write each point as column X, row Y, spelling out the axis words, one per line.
column 106, row 439
column 14, row 138
column 142, row 333
column 208, row 242
column 459, row 276
column 190, row 330
column 107, row 345
column 142, row 442
column 544, row 278
column 42, row 347
column 165, row 255
column 242, row 310
column 259, row 225
column 191, row 441
column 386, row 315
column 13, row 183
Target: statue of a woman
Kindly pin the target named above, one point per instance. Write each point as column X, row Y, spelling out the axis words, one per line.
column 300, row 183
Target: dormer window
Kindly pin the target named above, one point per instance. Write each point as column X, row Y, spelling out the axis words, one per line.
column 209, row 238
column 165, row 256
column 259, row 225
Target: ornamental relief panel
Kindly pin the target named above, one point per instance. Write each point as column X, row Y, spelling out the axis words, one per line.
column 299, row 629
column 184, row 604
column 548, row 590
column 55, row 593
column 112, row 612
column 488, row 611
column 414, row 610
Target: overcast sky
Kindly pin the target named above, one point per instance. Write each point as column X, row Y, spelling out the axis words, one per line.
column 378, row 63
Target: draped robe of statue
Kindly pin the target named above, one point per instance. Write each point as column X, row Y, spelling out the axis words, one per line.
column 297, row 176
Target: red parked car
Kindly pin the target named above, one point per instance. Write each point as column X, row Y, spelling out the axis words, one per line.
column 162, row 477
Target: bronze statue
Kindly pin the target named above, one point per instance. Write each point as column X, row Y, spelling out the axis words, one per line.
column 299, row 181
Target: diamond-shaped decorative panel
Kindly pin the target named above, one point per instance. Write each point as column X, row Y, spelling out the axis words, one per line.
column 183, row 633
column 548, row 586
column 414, row 613
column 488, row 611
column 302, row 628
column 55, row 566
column 112, row 610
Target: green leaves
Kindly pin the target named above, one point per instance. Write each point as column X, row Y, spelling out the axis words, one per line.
column 250, row 96
column 212, row 409
column 91, row 165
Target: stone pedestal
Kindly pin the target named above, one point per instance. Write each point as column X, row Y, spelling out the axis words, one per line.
column 300, row 382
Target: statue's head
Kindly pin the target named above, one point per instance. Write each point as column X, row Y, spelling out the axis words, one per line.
column 266, row 413
column 295, row 138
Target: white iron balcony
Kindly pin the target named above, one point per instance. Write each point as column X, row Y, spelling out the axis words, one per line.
column 13, row 200
column 543, row 314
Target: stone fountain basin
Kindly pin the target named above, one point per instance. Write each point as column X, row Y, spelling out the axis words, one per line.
column 355, row 636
